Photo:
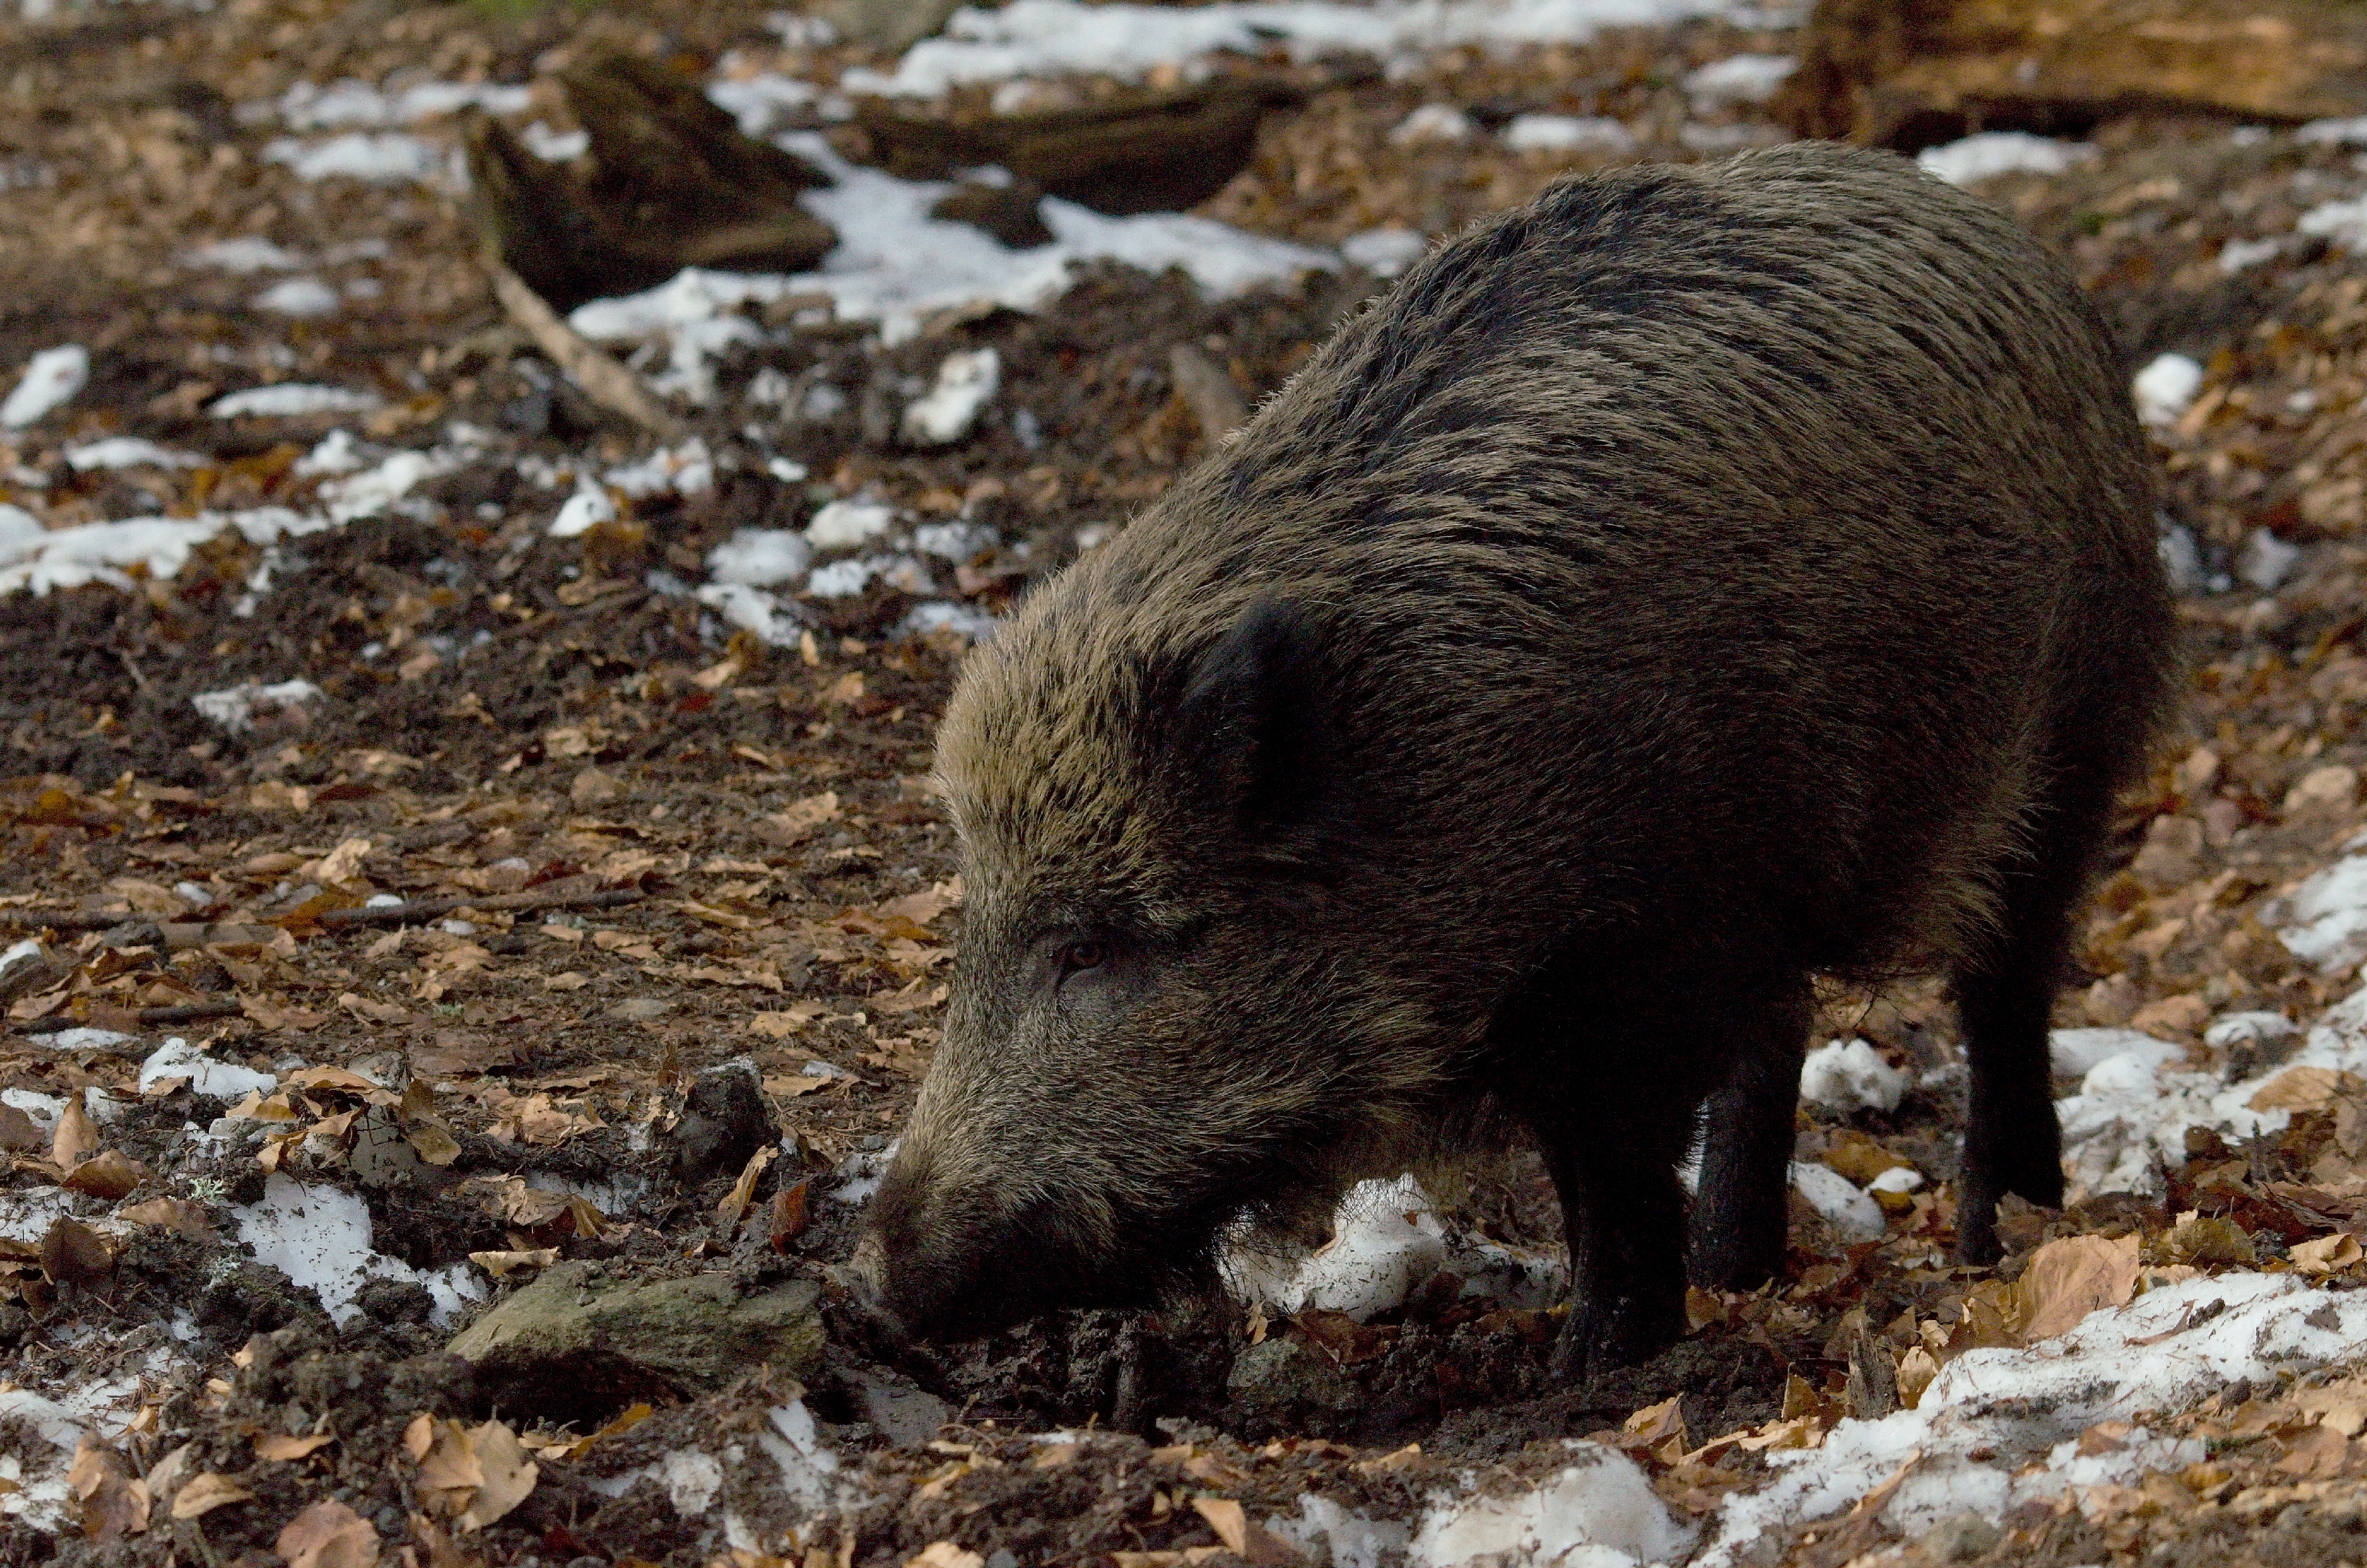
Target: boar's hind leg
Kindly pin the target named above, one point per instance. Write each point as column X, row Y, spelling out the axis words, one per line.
column 2005, row 991
column 1735, row 1237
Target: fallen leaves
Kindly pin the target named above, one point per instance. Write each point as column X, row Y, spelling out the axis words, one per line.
column 329, row 1535
column 2071, row 1276
column 735, row 1202
column 203, row 1493
column 471, row 1475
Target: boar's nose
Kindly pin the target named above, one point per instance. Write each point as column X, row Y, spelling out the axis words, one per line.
column 865, row 1278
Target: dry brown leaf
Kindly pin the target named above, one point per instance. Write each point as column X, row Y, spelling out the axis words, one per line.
column 509, row 1475
column 799, row 821
column 2306, row 1088
column 791, row 1214
column 72, row 1253
column 2327, row 1254
column 2071, row 1276
column 108, row 1174
column 76, row 1137
column 328, row 1535
column 113, row 1504
column 499, row 1264
column 19, row 1133
column 203, row 1493
column 1259, row 1547
column 177, row 1215
column 735, row 1202
column 944, row 1554
column 285, row 1450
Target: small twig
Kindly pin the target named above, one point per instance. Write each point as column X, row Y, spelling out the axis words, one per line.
column 179, row 1012
column 419, row 908
column 604, row 380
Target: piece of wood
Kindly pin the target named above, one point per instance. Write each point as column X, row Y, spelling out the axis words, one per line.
column 600, row 376
column 1909, row 74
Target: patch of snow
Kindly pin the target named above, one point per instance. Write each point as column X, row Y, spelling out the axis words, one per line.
column 686, row 470
column 336, row 452
column 966, row 384
column 372, row 492
column 857, row 1176
column 209, row 1079
column 2166, row 388
column 761, row 101
column 390, row 157
column 1385, row 251
column 844, row 524
column 947, row 615
column 753, row 610
column 128, row 451
column 555, row 146
column 1898, row 1178
column 2234, row 1029
column 760, row 558
column 306, row 298
column 1433, row 122
column 2075, row 1053
column 1598, row 1512
column 320, row 1237
column 1738, row 79
column 25, row 1214
column 794, row 1443
column 1385, row 1240
column 1848, row 1075
column 1567, row 133
column 85, row 1039
column 2237, row 255
column 2016, row 1408
column 2343, row 132
column 691, row 1480
column 1990, row 154
column 308, row 106
column 954, row 542
column 2267, row 560
column 898, row 266
column 98, row 552
column 2343, row 222
column 247, row 252
column 584, row 511
column 1853, row 1216
column 2324, row 921
column 843, row 579
column 1059, row 37
column 234, row 708
column 51, row 378
column 1348, row 1539
column 292, row 400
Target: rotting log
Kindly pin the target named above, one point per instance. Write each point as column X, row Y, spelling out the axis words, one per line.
column 1910, row 74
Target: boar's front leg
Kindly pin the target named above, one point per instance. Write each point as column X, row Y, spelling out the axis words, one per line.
column 1736, row 1235
column 1613, row 1110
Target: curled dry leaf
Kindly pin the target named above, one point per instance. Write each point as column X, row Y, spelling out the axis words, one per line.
column 328, row 1535
column 2327, row 1254
column 499, row 1264
column 203, row 1493
column 1259, row 1548
column 76, row 1139
column 735, row 1202
column 113, row 1504
column 472, row 1475
column 20, row 1134
column 72, row 1253
column 109, row 1174
column 791, row 1215
column 2071, row 1276
column 285, row 1450
column 944, row 1554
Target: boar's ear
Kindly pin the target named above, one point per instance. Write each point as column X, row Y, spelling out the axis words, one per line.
column 1253, row 726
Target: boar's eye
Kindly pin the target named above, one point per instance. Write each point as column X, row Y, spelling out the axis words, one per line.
column 1082, row 956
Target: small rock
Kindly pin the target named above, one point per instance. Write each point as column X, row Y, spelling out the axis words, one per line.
column 1282, row 1385
column 1959, row 1539
column 725, row 1121
column 2178, row 1015
column 575, row 1343
column 2111, row 1001
column 594, row 787
column 1010, row 212
column 2172, row 854
column 2322, row 794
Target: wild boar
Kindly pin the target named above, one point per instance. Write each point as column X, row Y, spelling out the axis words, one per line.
column 1697, row 581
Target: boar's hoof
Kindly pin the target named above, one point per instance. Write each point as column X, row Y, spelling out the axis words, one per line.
column 1602, row 1336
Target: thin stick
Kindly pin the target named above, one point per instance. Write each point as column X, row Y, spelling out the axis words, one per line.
column 402, row 913
column 179, row 1012
column 604, row 380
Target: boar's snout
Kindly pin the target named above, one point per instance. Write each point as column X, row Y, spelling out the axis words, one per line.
column 933, row 1263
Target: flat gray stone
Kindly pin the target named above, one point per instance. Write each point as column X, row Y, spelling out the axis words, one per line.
column 575, row 1343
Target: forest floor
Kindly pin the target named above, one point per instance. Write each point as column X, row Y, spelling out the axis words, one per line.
column 406, row 901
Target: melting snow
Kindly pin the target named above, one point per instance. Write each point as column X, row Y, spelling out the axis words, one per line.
column 128, row 451
column 289, row 400
column 392, row 158
column 208, row 1078
column 306, row 107
column 2324, row 921
column 306, row 298
column 1993, row 153
column 320, row 1237
column 1386, row 1239
column 1600, row 1512
column 1384, row 252
column 1054, row 37
column 898, row 266
column 1848, row 1075
column 51, row 378
column 760, row 558
column 248, row 253
column 2164, row 387
column 966, row 384
column 1565, row 132
column 1739, row 78
column 2166, row 1351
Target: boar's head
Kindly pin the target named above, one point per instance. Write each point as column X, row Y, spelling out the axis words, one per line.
column 1160, row 1019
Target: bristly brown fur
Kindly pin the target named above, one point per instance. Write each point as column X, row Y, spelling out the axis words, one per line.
column 1697, row 580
